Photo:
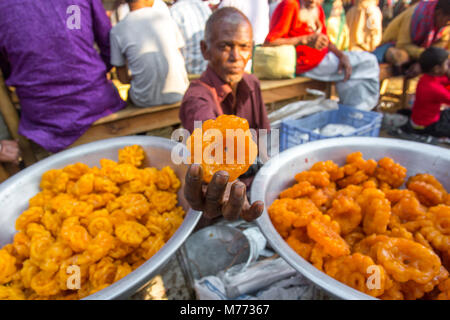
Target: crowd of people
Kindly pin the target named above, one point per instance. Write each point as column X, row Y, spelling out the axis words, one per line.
column 62, row 74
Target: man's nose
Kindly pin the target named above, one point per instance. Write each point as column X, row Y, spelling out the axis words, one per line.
column 234, row 53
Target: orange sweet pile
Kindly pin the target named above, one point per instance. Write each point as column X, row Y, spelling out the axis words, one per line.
column 355, row 224
column 104, row 221
column 223, row 144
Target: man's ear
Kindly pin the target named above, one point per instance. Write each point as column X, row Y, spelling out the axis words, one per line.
column 205, row 50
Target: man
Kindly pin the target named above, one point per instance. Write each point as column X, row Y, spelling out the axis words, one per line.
column 47, row 52
column 147, row 44
column 191, row 17
column 257, row 11
column 227, row 48
column 302, row 23
column 224, row 88
column 423, row 25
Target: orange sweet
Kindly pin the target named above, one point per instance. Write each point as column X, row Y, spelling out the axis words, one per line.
column 352, row 223
column 225, row 143
column 107, row 221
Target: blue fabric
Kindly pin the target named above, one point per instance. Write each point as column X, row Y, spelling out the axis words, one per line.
column 380, row 52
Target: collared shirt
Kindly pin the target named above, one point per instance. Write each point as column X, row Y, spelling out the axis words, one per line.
column 59, row 77
column 191, row 17
column 285, row 23
column 199, row 103
column 257, row 11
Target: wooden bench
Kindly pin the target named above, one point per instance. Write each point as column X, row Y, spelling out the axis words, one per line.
column 133, row 120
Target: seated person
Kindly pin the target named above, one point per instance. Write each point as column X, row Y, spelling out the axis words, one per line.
column 147, row 44
column 431, row 94
column 421, row 26
column 224, row 88
column 336, row 24
column 302, row 23
column 191, row 16
column 365, row 21
column 59, row 77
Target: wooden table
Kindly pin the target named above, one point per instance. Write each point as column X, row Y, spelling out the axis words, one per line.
column 133, row 120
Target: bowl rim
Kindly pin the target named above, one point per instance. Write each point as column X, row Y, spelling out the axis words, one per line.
column 257, row 192
column 140, row 276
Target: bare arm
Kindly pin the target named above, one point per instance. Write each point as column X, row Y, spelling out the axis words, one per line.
column 123, row 75
column 296, row 41
column 344, row 62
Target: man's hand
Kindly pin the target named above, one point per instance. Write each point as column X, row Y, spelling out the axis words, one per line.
column 345, row 66
column 413, row 71
column 10, row 151
column 317, row 41
column 219, row 198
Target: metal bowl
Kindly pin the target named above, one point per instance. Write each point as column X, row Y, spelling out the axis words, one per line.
column 278, row 174
column 16, row 191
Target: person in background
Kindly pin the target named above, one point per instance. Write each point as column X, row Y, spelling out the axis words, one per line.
column 119, row 11
column 191, row 17
column 302, row 23
column 365, row 22
column 257, row 11
column 421, row 26
column 59, row 76
column 224, row 88
column 432, row 94
column 147, row 44
column 213, row 4
column 336, row 24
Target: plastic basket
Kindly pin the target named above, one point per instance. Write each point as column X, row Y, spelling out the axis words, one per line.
column 295, row 132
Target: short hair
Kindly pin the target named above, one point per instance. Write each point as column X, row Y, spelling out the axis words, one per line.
column 444, row 5
column 221, row 16
column 431, row 57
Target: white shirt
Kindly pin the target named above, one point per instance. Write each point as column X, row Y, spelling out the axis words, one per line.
column 124, row 9
column 149, row 41
column 191, row 17
column 257, row 11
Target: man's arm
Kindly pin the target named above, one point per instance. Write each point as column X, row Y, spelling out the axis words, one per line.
column 102, row 27
column 123, row 75
column 196, row 108
column 118, row 59
column 344, row 62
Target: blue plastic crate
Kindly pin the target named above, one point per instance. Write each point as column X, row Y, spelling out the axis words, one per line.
column 295, row 132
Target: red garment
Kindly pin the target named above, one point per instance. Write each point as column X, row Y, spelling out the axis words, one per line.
column 285, row 23
column 199, row 102
column 431, row 94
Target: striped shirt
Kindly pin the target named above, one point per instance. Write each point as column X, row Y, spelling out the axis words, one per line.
column 191, row 16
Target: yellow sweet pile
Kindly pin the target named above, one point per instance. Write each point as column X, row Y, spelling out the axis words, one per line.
column 104, row 221
column 353, row 223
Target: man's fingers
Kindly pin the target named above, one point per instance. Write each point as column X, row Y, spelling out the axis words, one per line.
column 348, row 73
column 233, row 207
column 252, row 213
column 193, row 188
column 214, row 194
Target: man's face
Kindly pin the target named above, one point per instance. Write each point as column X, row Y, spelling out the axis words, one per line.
column 308, row 4
column 229, row 51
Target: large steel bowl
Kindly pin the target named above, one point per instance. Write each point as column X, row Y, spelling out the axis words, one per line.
column 16, row 191
column 278, row 174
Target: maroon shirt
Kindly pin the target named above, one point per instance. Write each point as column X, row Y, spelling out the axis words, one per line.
column 199, row 102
